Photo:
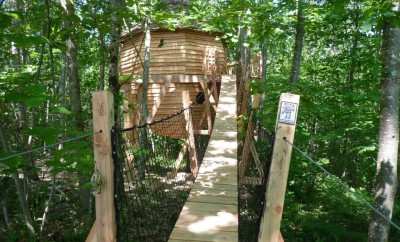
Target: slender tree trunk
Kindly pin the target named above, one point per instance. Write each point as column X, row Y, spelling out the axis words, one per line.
column 72, row 68
column 354, row 47
column 146, row 71
column 5, row 213
column 264, row 59
column 74, row 88
column 113, row 73
column 113, row 81
column 386, row 175
column 144, row 112
column 243, row 71
column 102, row 61
column 26, row 212
column 298, row 45
column 63, row 80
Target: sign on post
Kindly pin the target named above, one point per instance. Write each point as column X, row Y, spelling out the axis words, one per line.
column 288, row 113
column 278, row 174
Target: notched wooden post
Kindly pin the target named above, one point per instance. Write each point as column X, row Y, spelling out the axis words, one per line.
column 104, row 229
column 277, row 180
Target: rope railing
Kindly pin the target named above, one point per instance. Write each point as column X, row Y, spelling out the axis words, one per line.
column 344, row 184
column 155, row 121
column 49, row 146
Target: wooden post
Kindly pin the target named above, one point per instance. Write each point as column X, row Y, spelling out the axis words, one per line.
column 277, row 180
column 194, row 166
column 103, row 120
column 207, row 105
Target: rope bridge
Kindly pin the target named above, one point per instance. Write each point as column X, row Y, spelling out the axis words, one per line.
column 155, row 194
column 152, row 178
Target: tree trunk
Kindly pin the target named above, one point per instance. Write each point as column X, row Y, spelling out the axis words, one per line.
column 26, row 212
column 72, row 68
column 113, row 82
column 144, row 112
column 386, row 175
column 102, row 60
column 75, row 90
column 243, row 73
column 298, row 45
column 146, row 72
column 113, row 73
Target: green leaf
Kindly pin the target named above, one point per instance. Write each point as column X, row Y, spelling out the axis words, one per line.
column 48, row 134
column 63, row 110
column 6, row 19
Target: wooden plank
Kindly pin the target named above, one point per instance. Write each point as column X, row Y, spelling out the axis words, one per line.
column 277, row 180
column 221, row 236
column 103, row 121
column 211, row 212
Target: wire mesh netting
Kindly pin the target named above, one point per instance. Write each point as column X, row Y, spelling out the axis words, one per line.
column 46, row 193
column 153, row 180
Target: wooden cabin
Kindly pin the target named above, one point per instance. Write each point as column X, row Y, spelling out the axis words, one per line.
column 182, row 61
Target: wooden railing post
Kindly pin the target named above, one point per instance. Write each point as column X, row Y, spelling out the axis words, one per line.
column 277, row 180
column 194, row 165
column 104, row 229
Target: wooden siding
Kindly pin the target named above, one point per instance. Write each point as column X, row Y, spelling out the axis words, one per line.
column 161, row 106
column 172, row 53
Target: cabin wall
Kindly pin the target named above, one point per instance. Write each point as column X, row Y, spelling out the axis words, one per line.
column 172, row 53
column 179, row 61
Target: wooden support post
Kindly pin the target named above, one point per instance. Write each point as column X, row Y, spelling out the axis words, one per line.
column 207, row 105
column 103, row 120
column 179, row 160
column 277, row 180
column 194, row 166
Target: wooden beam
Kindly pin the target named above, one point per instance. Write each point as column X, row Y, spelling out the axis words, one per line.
column 103, row 121
column 277, row 180
column 156, row 105
column 207, row 105
column 194, row 165
column 256, row 158
column 179, row 160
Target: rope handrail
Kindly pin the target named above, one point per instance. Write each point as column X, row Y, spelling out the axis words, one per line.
column 156, row 121
column 49, row 146
column 344, row 184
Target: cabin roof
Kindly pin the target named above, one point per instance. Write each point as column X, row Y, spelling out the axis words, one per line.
column 154, row 28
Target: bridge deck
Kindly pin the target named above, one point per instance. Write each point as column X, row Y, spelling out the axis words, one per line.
column 211, row 212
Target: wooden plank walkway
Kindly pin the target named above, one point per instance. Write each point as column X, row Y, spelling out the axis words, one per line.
column 211, row 211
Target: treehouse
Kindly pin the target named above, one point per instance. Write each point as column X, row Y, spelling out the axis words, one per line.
column 185, row 69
